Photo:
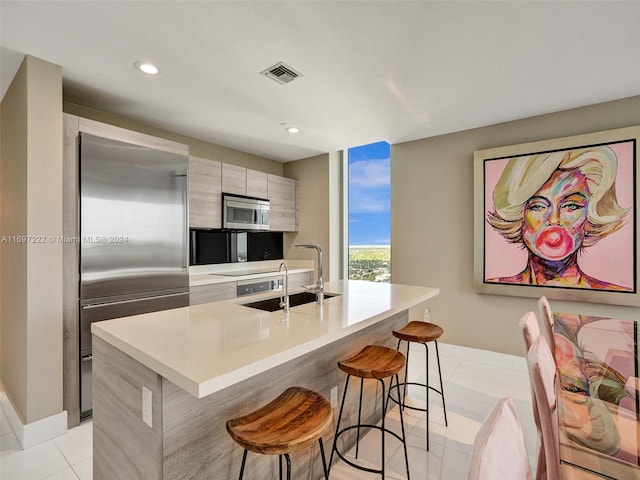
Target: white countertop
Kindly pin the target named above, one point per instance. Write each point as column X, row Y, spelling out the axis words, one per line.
column 206, row 348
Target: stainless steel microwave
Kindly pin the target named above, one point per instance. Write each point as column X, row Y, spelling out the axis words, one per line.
column 245, row 213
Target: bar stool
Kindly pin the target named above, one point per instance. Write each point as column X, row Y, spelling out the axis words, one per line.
column 372, row 362
column 292, row 421
column 420, row 332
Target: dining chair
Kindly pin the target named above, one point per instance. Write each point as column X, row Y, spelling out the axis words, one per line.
column 530, row 331
column 542, row 373
column 546, row 314
column 499, row 450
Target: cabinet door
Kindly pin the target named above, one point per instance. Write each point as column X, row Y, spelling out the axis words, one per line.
column 213, row 292
column 257, row 184
column 234, row 179
column 283, row 196
column 205, row 193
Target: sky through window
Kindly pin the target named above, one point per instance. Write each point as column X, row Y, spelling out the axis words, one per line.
column 370, row 194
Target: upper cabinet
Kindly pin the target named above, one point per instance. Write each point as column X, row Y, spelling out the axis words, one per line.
column 257, row 184
column 208, row 179
column 234, row 179
column 242, row 181
column 205, row 193
column 284, row 205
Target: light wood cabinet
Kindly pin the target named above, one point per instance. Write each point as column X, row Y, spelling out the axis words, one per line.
column 209, row 179
column 205, row 193
column 284, row 209
column 212, row 292
column 257, row 185
column 234, row 179
column 244, row 181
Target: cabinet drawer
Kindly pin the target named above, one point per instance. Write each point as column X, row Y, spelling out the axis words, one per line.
column 212, row 292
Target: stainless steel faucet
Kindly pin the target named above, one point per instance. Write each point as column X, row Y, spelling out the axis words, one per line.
column 284, row 301
column 319, row 288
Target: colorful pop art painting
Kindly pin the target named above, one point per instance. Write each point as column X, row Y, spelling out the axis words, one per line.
column 558, row 218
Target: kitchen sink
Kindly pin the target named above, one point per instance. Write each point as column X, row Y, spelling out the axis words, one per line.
column 273, row 304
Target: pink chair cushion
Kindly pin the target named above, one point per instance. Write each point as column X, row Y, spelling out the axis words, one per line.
column 499, row 450
column 547, row 321
column 542, row 373
column 530, row 330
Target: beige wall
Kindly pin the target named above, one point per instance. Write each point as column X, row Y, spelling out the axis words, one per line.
column 432, row 218
column 315, row 189
column 198, row 148
column 31, row 294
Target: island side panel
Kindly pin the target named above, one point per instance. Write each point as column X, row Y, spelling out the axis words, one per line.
column 123, row 445
column 197, row 446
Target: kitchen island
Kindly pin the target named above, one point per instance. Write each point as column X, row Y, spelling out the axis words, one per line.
column 165, row 383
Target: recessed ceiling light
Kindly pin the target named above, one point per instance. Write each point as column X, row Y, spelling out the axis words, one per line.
column 292, row 129
column 146, row 67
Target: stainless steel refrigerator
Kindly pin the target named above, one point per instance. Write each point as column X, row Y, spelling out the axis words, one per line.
column 133, row 237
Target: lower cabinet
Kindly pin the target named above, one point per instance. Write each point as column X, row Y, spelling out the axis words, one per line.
column 212, row 292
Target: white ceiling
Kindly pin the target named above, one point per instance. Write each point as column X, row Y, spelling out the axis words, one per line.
column 372, row 70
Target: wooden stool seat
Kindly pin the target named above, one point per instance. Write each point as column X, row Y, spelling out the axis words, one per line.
column 373, row 361
column 294, row 419
column 419, row 332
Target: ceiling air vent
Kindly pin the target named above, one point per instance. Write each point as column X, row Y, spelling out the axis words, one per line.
column 281, row 73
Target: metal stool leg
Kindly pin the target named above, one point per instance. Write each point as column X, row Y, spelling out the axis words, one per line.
column 286, row 456
column 406, row 377
column 383, row 428
column 404, row 438
column 335, row 437
column 427, row 391
column 280, row 467
column 441, row 387
column 244, row 460
column 359, row 416
column 324, row 460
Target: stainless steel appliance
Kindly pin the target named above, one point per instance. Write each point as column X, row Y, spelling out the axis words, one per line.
column 251, row 287
column 246, row 213
column 133, row 237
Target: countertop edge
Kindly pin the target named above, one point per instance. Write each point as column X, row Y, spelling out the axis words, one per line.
column 200, row 389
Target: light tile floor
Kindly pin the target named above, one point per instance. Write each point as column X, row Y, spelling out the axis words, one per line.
column 474, row 381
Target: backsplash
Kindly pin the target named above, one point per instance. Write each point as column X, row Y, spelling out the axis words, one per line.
column 208, row 247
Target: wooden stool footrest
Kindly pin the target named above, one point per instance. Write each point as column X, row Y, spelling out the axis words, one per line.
column 363, row 425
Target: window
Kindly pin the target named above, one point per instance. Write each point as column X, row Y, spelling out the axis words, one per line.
column 369, row 212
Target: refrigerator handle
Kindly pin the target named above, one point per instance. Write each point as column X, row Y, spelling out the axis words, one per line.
column 121, row 302
column 185, row 202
